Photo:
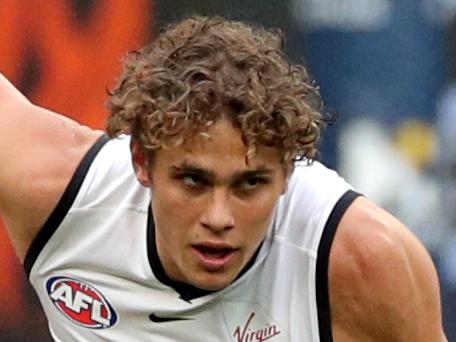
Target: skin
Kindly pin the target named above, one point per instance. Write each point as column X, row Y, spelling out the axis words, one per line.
column 383, row 285
column 215, row 192
column 39, row 152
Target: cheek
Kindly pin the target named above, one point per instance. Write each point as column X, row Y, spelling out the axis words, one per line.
column 257, row 214
column 172, row 209
column 168, row 198
column 166, row 194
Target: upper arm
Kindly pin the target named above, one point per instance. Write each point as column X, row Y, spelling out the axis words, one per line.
column 383, row 285
column 39, row 151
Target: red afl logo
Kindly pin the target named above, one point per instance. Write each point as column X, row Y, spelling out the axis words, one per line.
column 81, row 303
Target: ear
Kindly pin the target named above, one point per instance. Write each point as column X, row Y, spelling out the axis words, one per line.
column 140, row 165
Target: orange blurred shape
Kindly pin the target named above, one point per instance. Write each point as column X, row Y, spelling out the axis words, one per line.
column 11, row 281
column 73, row 64
column 76, row 61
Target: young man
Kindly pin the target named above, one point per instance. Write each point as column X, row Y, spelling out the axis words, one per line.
column 204, row 218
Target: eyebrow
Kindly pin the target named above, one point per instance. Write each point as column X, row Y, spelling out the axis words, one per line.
column 194, row 169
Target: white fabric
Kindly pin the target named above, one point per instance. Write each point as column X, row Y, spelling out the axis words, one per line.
column 102, row 243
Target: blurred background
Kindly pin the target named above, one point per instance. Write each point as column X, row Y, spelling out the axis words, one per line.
column 386, row 70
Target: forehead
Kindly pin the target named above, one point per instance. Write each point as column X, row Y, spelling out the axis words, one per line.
column 220, row 149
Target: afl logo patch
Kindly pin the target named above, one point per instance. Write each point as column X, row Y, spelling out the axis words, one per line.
column 81, row 303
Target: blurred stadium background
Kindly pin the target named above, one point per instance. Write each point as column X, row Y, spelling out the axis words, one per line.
column 386, row 69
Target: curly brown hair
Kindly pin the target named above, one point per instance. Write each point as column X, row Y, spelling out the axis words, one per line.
column 203, row 69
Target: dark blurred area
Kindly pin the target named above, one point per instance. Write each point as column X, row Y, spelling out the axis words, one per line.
column 386, row 71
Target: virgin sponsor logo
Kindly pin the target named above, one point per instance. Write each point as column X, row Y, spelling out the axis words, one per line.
column 81, row 303
column 247, row 334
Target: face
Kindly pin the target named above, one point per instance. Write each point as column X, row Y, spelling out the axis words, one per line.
column 211, row 209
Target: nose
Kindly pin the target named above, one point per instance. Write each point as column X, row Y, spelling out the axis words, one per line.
column 218, row 215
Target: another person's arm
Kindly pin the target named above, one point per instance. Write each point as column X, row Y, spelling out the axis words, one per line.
column 39, row 151
column 383, row 284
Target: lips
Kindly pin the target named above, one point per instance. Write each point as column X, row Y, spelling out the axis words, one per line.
column 213, row 252
column 214, row 256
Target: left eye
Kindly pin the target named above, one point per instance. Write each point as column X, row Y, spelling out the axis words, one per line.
column 250, row 183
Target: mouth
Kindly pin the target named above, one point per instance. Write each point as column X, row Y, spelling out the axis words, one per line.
column 214, row 257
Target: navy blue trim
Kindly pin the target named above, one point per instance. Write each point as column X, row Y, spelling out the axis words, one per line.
column 322, row 286
column 186, row 291
column 63, row 206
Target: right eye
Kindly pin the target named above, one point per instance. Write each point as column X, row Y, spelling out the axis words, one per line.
column 193, row 181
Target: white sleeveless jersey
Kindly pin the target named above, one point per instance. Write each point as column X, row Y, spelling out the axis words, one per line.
column 95, row 267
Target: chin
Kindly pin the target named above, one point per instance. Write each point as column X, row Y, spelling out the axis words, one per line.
column 212, row 283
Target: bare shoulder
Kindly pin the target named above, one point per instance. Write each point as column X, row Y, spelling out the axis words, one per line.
column 383, row 285
column 39, row 152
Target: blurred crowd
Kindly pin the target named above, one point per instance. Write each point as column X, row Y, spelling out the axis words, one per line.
column 386, row 70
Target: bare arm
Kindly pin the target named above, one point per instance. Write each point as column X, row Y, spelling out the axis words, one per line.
column 39, row 151
column 383, row 285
